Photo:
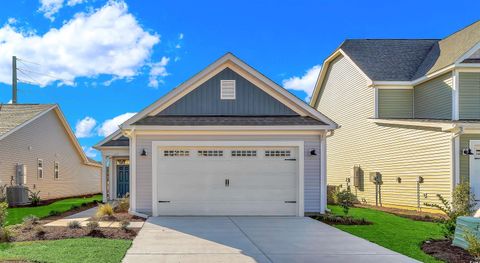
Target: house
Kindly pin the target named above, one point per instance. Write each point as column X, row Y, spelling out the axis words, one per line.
column 409, row 112
column 228, row 141
column 39, row 137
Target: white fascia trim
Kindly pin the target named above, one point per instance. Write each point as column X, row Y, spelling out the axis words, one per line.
column 301, row 167
column 455, row 160
column 133, row 171
column 323, row 173
column 455, row 95
column 28, row 121
column 375, row 98
column 234, row 128
column 468, row 54
column 112, row 136
column 227, row 57
column 442, row 125
column 473, row 67
column 392, row 87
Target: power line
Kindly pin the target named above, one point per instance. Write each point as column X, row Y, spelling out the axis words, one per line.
column 28, row 76
column 44, row 74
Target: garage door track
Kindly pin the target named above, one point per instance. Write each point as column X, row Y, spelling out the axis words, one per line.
column 251, row 239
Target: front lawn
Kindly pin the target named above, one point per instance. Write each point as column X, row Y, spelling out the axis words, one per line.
column 67, row 250
column 16, row 214
column 399, row 234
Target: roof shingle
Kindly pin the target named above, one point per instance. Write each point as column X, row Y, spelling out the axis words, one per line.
column 14, row 115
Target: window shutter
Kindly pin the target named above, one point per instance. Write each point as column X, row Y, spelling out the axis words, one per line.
column 227, row 89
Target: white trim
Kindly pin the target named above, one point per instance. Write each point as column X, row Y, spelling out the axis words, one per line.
column 112, row 136
column 468, row 67
column 133, row 171
column 412, row 122
column 392, row 87
column 468, row 54
column 471, row 144
column 323, row 173
column 138, row 214
column 375, row 98
column 229, row 58
column 455, row 95
column 104, row 178
column 299, row 144
column 456, row 160
column 392, row 83
column 232, row 128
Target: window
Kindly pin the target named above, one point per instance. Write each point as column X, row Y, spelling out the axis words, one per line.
column 40, row 168
column 171, row 153
column 277, row 153
column 227, row 89
column 244, row 153
column 210, row 153
column 55, row 170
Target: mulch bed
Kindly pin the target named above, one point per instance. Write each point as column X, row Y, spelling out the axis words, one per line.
column 332, row 219
column 118, row 217
column 443, row 250
column 39, row 232
column 411, row 214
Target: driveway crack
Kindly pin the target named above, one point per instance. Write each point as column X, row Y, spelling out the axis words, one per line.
column 243, row 232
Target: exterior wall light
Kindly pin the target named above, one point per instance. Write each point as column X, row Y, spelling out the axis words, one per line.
column 467, row 151
column 144, row 152
column 313, row 152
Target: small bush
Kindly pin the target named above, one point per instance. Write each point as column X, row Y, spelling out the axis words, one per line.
column 5, row 234
column 74, row 224
column 54, row 213
column 123, row 204
column 30, row 220
column 124, row 225
column 332, row 191
column 332, row 219
column 92, row 225
column 345, row 199
column 39, row 231
column 3, row 213
column 105, row 210
column 84, row 204
column 3, row 193
column 34, row 197
column 473, row 245
column 73, row 207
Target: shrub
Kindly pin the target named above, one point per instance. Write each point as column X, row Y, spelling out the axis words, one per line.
column 473, row 244
column 462, row 205
column 92, row 225
column 73, row 207
column 54, row 213
column 124, row 225
column 105, row 210
column 123, row 204
column 34, row 197
column 5, row 234
column 332, row 219
column 30, row 220
column 84, row 204
column 39, row 231
column 74, row 224
column 332, row 191
column 3, row 213
column 3, row 193
column 345, row 199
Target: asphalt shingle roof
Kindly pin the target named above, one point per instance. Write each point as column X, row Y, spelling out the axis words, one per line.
column 228, row 120
column 13, row 115
column 121, row 141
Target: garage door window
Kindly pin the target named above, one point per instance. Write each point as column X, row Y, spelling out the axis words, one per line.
column 244, row 153
column 209, row 153
column 171, row 153
column 277, row 153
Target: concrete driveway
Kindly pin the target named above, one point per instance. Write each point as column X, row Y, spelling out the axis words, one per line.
column 251, row 239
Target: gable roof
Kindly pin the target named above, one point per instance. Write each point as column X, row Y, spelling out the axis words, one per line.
column 241, row 68
column 388, row 59
column 15, row 116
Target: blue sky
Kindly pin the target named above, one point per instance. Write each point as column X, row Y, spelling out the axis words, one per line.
column 101, row 60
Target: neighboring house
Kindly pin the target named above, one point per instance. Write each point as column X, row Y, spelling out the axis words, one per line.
column 408, row 111
column 228, row 141
column 39, row 137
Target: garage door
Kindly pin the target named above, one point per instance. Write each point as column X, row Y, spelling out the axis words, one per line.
column 227, row 181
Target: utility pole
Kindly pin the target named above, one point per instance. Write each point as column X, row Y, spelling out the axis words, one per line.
column 14, row 80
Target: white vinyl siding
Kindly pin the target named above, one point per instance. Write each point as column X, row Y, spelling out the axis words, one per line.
column 394, row 151
column 47, row 139
column 311, row 164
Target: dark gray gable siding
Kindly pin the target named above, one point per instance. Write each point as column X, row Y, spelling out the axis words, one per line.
column 205, row 100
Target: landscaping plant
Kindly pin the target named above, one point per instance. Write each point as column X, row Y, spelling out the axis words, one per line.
column 3, row 193
column 5, row 234
column 105, row 210
column 34, row 197
column 123, row 204
column 39, row 231
column 345, row 199
column 30, row 220
column 92, row 226
column 473, row 245
column 54, row 213
column 74, row 224
column 124, row 225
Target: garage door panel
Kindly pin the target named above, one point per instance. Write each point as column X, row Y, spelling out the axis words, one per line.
column 257, row 185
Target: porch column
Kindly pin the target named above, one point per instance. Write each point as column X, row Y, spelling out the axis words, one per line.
column 104, row 178
column 323, row 173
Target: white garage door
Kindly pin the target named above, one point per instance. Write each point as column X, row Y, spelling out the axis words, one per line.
column 227, row 181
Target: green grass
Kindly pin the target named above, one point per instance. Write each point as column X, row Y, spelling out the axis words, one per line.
column 67, row 250
column 16, row 214
column 399, row 234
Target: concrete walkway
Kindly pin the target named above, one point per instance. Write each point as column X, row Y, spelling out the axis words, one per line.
column 85, row 215
column 251, row 239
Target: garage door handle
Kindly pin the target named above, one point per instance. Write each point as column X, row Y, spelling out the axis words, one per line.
column 290, row 202
column 291, row 159
column 164, row 201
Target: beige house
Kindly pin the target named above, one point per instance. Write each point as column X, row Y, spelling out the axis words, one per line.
column 409, row 116
column 39, row 137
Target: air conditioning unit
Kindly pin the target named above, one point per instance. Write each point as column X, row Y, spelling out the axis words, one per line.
column 17, row 195
column 21, row 174
column 375, row 177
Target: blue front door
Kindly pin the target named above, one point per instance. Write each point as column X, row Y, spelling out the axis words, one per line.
column 123, row 180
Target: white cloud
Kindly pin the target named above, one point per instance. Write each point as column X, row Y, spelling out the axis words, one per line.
column 111, row 125
column 158, row 70
column 304, row 83
column 84, row 127
column 108, row 40
column 9, row 102
column 90, row 152
column 180, row 36
column 50, row 7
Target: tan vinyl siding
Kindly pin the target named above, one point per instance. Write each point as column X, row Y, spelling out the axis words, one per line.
column 311, row 169
column 391, row 150
column 46, row 138
column 395, row 103
column 433, row 99
column 469, row 95
column 465, row 159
